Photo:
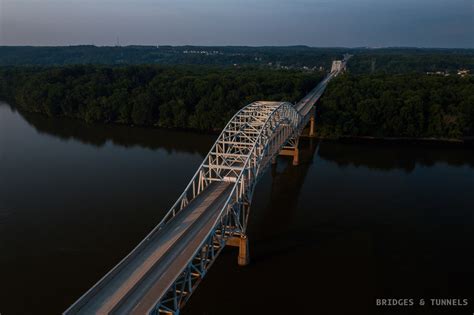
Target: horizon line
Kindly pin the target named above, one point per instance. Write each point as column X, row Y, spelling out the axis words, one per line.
column 250, row 46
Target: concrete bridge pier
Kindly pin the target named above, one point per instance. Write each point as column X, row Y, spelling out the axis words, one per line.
column 292, row 151
column 312, row 125
column 242, row 242
column 296, row 156
column 196, row 221
column 312, row 132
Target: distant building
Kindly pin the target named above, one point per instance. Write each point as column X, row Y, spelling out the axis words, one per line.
column 463, row 72
column 444, row 73
column 337, row 65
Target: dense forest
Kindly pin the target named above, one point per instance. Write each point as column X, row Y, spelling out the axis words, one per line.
column 404, row 60
column 196, row 97
column 365, row 60
column 273, row 57
column 404, row 105
column 385, row 94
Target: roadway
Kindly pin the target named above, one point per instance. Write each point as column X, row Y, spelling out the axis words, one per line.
column 145, row 275
column 134, row 285
column 306, row 104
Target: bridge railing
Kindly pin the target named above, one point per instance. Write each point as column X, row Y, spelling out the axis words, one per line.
column 198, row 182
column 211, row 169
column 251, row 139
column 216, row 165
column 280, row 124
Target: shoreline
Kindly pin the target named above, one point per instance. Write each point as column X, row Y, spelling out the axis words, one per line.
column 466, row 141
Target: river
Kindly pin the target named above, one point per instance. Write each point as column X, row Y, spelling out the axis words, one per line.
column 352, row 223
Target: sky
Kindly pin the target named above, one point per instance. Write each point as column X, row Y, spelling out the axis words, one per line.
column 319, row 23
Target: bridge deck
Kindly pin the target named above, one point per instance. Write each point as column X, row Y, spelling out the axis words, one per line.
column 305, row 105
column 136, row 283
column 145, row 275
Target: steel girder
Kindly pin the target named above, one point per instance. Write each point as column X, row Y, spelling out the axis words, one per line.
column 240, row 155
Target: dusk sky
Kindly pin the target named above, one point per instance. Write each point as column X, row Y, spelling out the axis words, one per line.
column 350, row 23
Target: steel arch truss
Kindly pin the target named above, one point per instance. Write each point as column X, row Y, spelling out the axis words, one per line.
column 242, row 152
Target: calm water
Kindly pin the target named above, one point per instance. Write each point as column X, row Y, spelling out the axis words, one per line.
column 351, row 224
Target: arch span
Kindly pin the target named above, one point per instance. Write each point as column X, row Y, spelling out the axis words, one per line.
column 244, row 149
column 159, row 275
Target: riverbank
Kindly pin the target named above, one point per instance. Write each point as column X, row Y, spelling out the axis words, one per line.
column 119, row 133
column 188, row 97
column 379, row 107
column 406, row 140
column 399, row 107
column 385, row 208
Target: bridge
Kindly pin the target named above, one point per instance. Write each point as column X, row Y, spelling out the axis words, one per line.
column 159, row 275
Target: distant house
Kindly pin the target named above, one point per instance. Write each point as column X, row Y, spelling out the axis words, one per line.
column 445, row 73
column 464, row 72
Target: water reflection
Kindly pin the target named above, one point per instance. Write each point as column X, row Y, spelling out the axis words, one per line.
column 99, row 134
column 384, row 156
column 352, row 222
column 285, row 188
column 380, row 156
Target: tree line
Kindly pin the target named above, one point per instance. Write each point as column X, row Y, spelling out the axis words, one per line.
column 365, row 60
column 404, row 105
column 204, row 98
column 294, row 56
column 396, row 61
column 194, row 97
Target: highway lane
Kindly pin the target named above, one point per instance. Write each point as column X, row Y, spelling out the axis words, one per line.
column 137, row 282
column 305, row 105
column 145, row 275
